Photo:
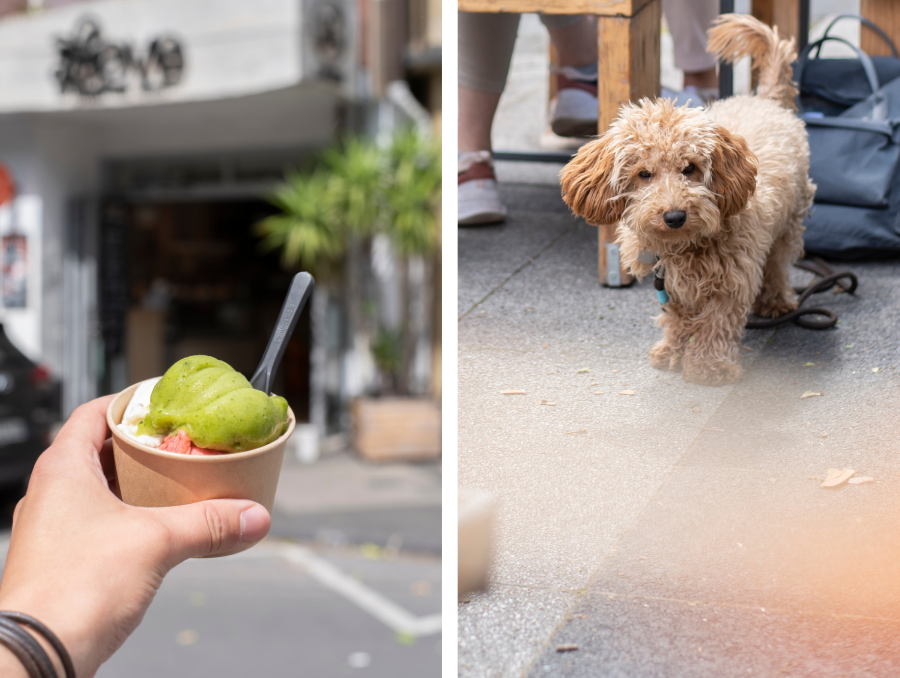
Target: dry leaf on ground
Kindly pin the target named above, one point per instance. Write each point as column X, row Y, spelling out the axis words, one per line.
column 860, row 480
column 547, row 402
column 836, row 478
column 628, row 392
column 512, row 392
column 809, row 394
column 583, row 370
column 598, row 392
column 577, row 433
column 566, row 647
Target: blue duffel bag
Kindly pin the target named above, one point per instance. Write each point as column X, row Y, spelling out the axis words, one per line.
column 854, row 160
column 831, row 85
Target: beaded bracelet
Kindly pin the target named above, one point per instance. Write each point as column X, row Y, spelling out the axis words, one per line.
column 28, row 651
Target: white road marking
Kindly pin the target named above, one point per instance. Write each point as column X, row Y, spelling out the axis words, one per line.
column 384, row 610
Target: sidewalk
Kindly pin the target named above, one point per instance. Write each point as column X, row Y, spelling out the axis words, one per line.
column 681, row 531
column 343, row 500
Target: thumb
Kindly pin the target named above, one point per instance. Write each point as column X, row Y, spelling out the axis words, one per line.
column 209, row 527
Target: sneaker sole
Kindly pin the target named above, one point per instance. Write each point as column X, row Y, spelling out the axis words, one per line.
column 482, row 219
column 573, row 127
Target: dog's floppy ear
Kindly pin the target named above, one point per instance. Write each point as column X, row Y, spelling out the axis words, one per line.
column 733, row 173
column 587, row 183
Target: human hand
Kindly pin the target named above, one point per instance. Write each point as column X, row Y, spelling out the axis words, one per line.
column 88, row 565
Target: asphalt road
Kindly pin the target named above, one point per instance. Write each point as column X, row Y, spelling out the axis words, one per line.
column 264, row 613
column 348, row 583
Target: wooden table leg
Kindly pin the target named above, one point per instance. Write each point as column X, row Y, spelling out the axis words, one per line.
column 612, row 273
column 886, row 15
column 785, row 14
column 628, row 70
column 629, row 60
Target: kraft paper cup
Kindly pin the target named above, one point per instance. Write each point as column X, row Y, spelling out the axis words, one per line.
column 151, row 477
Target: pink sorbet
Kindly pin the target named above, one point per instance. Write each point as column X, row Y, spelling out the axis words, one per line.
column 179, row 443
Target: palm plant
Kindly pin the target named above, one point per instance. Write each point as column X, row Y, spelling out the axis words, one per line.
column 358, row 191
column 356, row 168
column 305, row 230
column 413, row 196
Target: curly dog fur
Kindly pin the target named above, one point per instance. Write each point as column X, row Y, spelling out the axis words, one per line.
column 738, row 171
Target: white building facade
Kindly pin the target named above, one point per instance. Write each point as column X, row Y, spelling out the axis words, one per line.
column 142, row 136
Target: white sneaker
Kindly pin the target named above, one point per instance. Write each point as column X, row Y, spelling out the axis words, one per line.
column 477, row 197
column 574, row 113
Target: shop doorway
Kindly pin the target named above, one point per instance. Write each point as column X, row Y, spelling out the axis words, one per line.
column 193, row 280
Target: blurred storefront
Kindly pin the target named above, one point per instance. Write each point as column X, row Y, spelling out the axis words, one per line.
column 143, row 136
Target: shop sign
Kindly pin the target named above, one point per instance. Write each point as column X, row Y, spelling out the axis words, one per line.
column 90, row 65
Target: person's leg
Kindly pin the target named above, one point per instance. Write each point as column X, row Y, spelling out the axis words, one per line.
column 688, row 22
column 476, row 117
column 486, row 44
column 574, row 110
column 574, row 38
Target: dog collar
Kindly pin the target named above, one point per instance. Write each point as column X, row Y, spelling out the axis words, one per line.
column 659, row 275
column 659, row 282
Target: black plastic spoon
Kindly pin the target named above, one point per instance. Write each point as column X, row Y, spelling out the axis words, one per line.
column 298, row 293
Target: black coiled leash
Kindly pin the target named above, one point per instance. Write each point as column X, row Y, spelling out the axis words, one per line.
column 828, row 278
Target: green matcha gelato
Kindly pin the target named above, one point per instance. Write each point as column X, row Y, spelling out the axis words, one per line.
column 215, row 406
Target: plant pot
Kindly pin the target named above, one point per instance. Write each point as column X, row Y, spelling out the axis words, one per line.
column 397, row 429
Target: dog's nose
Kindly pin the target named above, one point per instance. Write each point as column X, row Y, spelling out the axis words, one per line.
column 675, row 218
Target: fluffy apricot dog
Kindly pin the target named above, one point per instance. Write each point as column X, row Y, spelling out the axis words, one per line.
column 717, row 194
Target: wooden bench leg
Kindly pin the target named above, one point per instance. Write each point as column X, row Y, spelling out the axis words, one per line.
column 628, row 70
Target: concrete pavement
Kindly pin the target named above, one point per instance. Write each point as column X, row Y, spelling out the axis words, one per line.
column 679, row 531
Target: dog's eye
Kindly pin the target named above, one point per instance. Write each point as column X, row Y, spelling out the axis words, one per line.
column 688, row 170
column 644, row 174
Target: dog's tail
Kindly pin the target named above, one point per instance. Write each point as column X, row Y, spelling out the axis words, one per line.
column 738, row 35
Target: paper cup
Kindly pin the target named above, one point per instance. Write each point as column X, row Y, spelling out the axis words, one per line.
column 151, row 477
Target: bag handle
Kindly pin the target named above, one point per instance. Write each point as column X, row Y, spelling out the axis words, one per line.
column 865, row 22
column 864, row 58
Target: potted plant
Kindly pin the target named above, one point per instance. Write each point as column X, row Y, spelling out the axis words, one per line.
column 365, row 197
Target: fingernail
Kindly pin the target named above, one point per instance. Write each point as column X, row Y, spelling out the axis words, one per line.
column 254, row 523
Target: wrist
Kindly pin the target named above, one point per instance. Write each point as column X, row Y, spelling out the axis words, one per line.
column 10, row 666
column 61, row 626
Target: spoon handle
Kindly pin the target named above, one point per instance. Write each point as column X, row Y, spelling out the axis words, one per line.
column 298, row 293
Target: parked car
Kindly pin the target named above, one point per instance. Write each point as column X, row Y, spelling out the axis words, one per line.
column 30, row 411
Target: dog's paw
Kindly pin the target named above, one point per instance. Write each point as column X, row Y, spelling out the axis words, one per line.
column 664, row 357
column 773, row 308
column 711, row 373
